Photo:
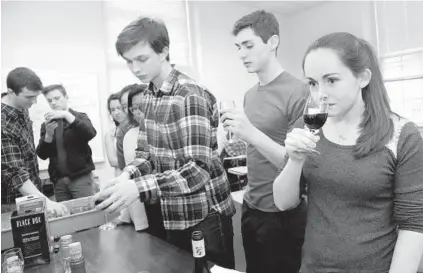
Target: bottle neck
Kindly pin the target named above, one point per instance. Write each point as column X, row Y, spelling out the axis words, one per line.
column 201, row 265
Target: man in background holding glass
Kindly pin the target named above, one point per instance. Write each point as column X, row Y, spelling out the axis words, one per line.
column 64, row 141
column 272, row 238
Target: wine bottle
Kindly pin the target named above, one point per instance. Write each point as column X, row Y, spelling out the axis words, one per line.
column 199, row 253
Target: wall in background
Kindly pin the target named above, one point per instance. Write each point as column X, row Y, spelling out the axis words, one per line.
column 47, row 36
column 215, row 53
column 299, row 30
column 63, row 37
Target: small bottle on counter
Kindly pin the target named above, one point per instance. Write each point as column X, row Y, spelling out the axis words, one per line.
column 199, row 253
column 77, row 261
column 65, row 241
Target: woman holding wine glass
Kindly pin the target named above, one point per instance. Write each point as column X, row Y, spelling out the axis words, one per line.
column 365, row 190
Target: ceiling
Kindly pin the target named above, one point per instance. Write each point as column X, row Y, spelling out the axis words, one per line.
column 284, row 7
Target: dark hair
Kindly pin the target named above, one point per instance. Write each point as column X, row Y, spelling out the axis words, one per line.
column 141, row 88
column 22, row 77
column 263, row 23
column 53, row 87
column 127, row 88
column 357, row 54
column 115, row 96
column 144, row 29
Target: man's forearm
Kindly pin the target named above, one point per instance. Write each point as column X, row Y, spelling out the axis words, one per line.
column 28, row 188
column 273, row 151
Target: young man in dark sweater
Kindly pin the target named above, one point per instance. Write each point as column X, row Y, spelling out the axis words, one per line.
column 64, row 141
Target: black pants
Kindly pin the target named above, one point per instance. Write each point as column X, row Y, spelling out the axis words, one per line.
column 218, row 238
column 273, row 240
column 155, row 220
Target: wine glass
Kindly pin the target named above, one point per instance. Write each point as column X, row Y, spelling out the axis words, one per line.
column 315, row 114
column 15, row 252
column 226, row 105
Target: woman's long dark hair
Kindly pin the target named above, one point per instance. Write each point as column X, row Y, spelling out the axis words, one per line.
column 114, row 96
column 357, row 54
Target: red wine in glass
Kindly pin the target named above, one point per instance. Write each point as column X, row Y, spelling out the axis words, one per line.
column 315, row 121
column 315, row 113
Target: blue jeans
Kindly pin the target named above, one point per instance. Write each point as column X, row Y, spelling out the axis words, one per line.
column 81, row 186
column 218, row 238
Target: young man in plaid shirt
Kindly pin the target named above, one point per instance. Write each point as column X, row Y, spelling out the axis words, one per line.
column 177, row 163
column 19, row 165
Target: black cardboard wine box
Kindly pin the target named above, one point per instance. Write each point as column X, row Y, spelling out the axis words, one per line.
column 31, row 235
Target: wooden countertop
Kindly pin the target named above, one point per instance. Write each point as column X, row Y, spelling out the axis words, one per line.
column 124, row 250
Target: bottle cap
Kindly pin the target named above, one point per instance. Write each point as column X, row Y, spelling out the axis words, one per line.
column 198, row 247
column 75, row 251
column 65, row 240
column 197, row 235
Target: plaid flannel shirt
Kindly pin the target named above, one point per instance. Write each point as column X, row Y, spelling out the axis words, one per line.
column 177, row 159
column 18, row 157
column 236, row 148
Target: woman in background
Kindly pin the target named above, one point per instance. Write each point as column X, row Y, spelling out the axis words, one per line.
column 135, row 117
column 130, row 143
column 136, row 211
column 118, row 116
column 365, row 189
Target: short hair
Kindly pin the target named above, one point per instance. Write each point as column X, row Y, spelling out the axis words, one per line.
column 22, row 77
column 141, row 88
column 53, row 87
column 144, row 29
column 114, row 96
column 263, row 23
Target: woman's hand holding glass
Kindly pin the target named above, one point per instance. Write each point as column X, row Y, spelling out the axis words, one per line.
column 299, row 143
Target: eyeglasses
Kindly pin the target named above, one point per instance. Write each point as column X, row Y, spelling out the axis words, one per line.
column 135, row 107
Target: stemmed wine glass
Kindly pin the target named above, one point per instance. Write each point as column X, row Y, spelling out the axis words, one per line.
column 226, row 105
column 315, row 113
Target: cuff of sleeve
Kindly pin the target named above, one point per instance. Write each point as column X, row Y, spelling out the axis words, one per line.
column 75, row 121
column 147, row 186
column 48, row 145
column 18, row 180
column 131, row 170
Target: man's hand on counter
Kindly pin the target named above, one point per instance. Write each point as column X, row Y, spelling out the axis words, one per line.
column 56, row 209
column 117, row 194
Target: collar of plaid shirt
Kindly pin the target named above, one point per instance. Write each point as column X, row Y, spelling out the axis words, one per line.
column 167, row 86
column 12, row 112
